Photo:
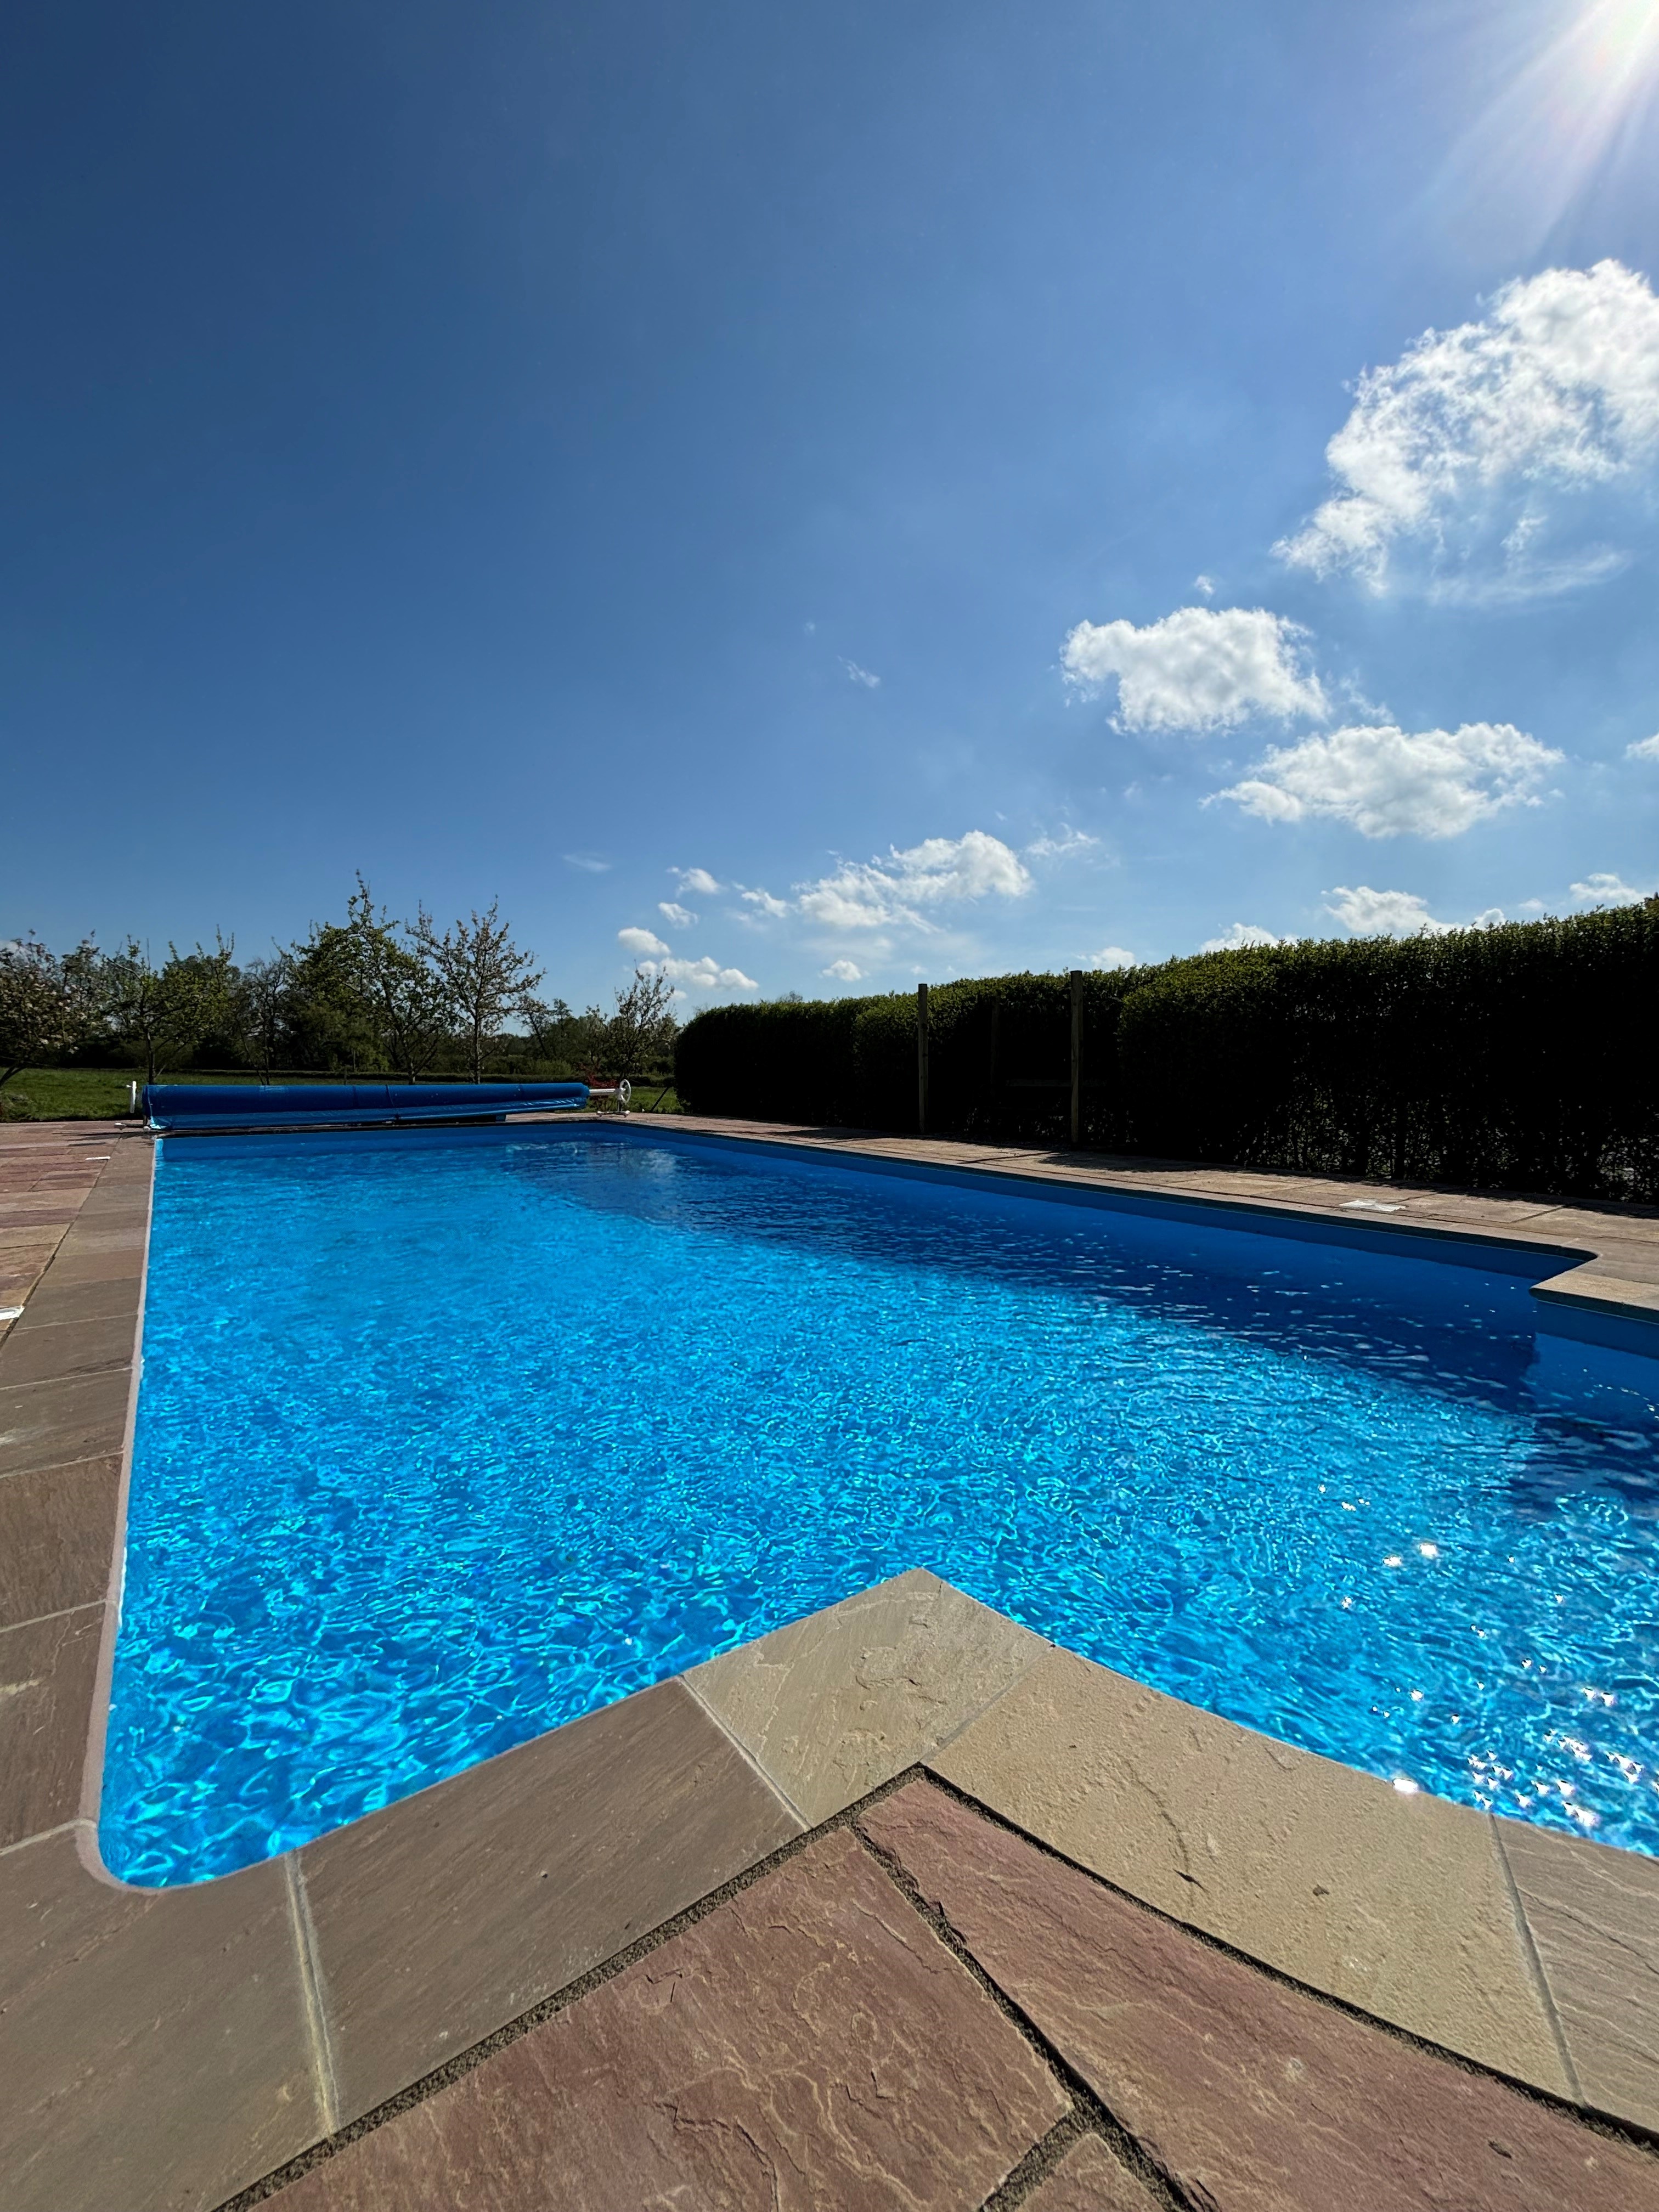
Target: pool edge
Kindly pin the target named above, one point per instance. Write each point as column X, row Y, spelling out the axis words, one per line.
column 211, row 2030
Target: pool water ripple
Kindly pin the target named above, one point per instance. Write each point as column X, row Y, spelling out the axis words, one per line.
column 443, row 1440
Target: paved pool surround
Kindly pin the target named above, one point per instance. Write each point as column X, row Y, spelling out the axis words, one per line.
column 173, row 2048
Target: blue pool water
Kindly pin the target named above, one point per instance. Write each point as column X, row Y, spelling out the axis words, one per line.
column 443, row 1439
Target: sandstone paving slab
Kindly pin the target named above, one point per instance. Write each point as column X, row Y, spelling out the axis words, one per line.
column 1399, row 1905
column 48, row 1354
column 153, row 2046
column 1089, row 2180
column 55, row 1302
column 1250, row 2095
column 832, row 1706
column 456, row 1910
column 56, row 1530
column 48, row 1674
column 74, row 1417
column 1594, row 1913
column 809, row 2044
column 100, row 1257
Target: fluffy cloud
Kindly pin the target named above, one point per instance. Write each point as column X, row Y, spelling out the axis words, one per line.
column 640, row 943
column 1242, row 935
column 1388, row 783
column 1112, row 955
column 696, row 879
column 843, row 971
column 763, row 902
column 704, row 975
column 1644, row 748
column 1383, row 914
column 1200, row 668
column 676, row 916
column 939, row 871
column 1463, row 450
column 1606, row 890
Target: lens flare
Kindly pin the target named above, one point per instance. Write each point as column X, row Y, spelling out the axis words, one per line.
column 1564, row 108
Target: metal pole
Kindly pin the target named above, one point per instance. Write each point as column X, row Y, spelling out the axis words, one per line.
column 1077, row 1057
column 921, row 1059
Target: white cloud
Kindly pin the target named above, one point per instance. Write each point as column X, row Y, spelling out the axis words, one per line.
column 1644, row 748
column 1607, row 890
column 1383, row 914
column 697, row 880
column 704, row 975
column 763, row 902
column 591, row 864
column 1240, row 937
column 1205, row 583
column 1062, row 848
column 1112, row 955
column 1388, row 783
column 940, row 871
column 857, row 675
column 678, row 916
column 843, row 971
column 1464, row 450
column 1200, row 668
column 640, row 942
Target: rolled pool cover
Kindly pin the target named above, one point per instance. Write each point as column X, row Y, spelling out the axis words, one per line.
column 292, row 1105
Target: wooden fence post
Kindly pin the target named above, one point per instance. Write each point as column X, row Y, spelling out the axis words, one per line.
column 1077, row 1057
column 921, row 1059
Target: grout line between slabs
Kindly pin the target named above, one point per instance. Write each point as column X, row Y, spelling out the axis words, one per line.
column 1536, row 1964
column 1050, row 2152
column 1089, row 2112
column 42, row 1836
column 745, row 1754
column 319, row 2034
column 40, row 1619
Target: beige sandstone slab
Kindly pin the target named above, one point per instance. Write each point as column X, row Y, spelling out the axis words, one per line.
column 832, row 1706
column 1594, row 1913
column 1400, row 1906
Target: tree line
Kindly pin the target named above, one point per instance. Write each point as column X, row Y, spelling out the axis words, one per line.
column 367, row 994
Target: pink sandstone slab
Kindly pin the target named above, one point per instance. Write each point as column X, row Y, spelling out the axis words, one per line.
column 809, row 2044
column 1089, row 2180
column 1250, row 2095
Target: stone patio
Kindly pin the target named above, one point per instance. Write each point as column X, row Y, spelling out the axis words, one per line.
column 900, row 1906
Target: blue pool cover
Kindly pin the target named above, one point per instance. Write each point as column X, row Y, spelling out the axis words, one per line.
column 286, row 1105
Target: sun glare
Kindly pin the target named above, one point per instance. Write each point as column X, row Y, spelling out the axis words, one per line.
column 1565, row 105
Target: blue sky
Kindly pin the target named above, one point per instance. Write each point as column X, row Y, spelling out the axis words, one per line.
column 820, row 497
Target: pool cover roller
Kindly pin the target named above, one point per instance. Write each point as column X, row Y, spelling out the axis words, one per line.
column 290, row 1105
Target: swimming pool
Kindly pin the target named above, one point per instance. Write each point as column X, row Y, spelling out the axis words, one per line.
column 443, row 1438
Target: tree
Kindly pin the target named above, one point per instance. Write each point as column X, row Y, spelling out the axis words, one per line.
column 330, row 1020
column 264, row 995
column 407, row 995
column 165, row 1013
column 485, row 977
column 641, row 1034
column 45, row 1003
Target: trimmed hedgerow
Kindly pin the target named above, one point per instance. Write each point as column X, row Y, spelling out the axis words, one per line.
column 1516, row 1057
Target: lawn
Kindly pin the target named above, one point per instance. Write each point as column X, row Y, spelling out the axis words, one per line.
column 67, row 1094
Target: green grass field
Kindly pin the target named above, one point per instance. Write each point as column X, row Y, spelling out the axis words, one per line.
column 66, row 1094
column 99, row 1094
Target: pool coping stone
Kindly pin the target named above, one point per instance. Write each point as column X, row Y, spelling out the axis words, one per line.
column 172, row 2045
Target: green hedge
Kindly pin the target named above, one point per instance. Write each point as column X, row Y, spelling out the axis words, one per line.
column 1512, row 1058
